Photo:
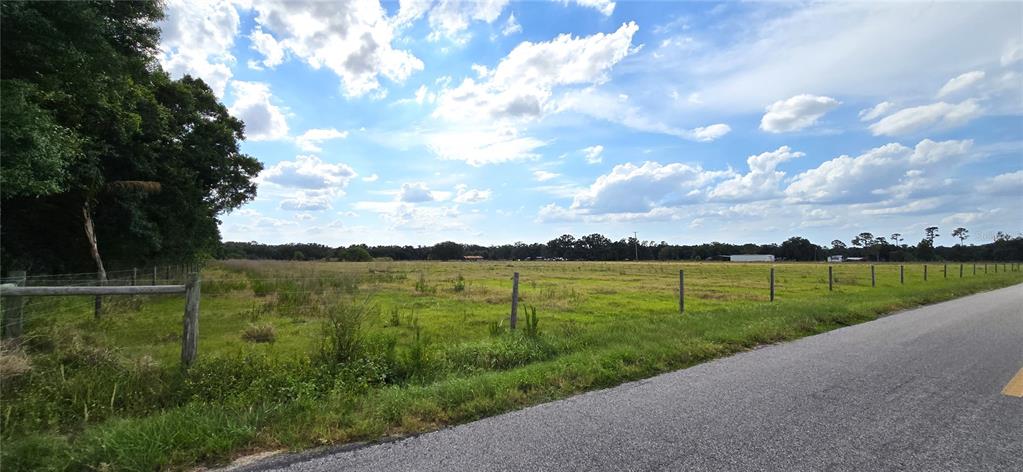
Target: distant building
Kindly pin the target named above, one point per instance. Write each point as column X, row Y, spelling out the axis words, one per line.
column 836, row 258
column 751, row 258
column 473, row 258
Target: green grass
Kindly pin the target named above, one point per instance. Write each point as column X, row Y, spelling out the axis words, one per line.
column 298, row 354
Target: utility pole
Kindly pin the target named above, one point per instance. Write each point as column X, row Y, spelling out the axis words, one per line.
column 635, row 240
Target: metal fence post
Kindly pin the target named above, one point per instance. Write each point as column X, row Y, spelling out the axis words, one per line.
column 831, row 278
column 944, row 271
column 960, row 271
column 873, row 277
column 925, row 272
column 190, row 336
column 772, row 284
column 902, row 274
column 515, row 301
column 14, row 308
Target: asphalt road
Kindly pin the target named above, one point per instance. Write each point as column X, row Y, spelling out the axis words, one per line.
column 918, row 390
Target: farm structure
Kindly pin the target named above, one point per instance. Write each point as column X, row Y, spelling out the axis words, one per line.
column 751, row 258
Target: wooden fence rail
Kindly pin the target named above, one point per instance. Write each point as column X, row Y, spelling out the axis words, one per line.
column 14, row 296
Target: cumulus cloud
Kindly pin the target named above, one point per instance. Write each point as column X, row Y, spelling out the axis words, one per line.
column 268, row 47
column 416, row 192
column 940, row 115
column 638, row 189
column 311, row 139
column 796, row 113
column 762, row 180
column 511, row 26
column 309, row 172
column 478, row 147
column 464, row 194
column 1010, row 183
column 543, row 176
column 451, row 18
column 371, row 178
column 593, row 154
column 264, row 121
column 521, row 85
column 605, row 7
column 961, row 82
column 305, row 201
column 877, row 111
column 871, row 175
column 353, row 39
column 196, row 38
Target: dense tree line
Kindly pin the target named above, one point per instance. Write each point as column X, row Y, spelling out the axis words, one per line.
column 107, row 161
column 596, row 247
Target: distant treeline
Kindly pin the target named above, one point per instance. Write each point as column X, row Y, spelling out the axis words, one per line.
column 596, row 247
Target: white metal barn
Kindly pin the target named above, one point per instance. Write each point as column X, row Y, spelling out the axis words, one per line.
column 751, row 258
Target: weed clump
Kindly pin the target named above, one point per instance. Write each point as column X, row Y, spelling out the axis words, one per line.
column 260, row 333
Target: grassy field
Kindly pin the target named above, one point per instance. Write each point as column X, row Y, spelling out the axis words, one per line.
column 298, row 354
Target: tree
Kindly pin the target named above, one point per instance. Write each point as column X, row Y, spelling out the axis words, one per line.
column 105, row 145
column 798, row 249
column 447, row 251
column 932, row 233
column 897, row 237
column 864, row 240
column 357, row 254
column 962, row 234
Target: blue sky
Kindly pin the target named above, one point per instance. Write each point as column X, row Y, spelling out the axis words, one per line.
column 495, row 122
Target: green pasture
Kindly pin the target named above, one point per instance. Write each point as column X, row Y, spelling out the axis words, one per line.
column 299, row 354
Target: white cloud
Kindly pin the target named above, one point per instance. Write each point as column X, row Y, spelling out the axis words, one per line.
column 305, row 201
column 522, row 83
column 264, row 121
column 478, row 147
column 962, row 82
column 873, row 174
column 268, row 47
column 762, row 180
column 887, row 49
column 875, row 112
column 353, row 39
column 371, row 178
column 511, row 26
column 1006, row 184
column 450, row 18
column 311, row 139
column 1013, row 54
column 543, row 176
column 309, row 172
column 593, row 154
column 615, row 110
column 416, row 192
column 638, row 189
column 605, row 7
column 939, row 115
column 796, row 113
column 471, row 195
column 196, row 38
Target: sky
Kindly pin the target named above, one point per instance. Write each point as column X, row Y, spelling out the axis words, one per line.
column 494, row 122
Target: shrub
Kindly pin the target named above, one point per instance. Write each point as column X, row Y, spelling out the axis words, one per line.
column 459, row 284
column 532, row 322
column 260, row 333
column 342, row 339
column 497, row 354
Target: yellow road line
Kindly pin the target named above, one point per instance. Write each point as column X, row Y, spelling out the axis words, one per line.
column 1015, row 386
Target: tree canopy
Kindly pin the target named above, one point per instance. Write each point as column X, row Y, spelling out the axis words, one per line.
column 96, row 135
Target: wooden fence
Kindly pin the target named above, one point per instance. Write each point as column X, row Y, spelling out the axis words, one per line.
column 14, row 294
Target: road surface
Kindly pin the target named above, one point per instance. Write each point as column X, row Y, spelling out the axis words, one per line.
column 918, row 390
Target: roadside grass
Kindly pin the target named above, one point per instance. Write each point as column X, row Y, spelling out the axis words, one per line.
column 362, row 351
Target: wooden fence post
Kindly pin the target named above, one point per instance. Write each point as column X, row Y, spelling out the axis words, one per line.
column 925, row 272
column 190, row 336
column 944, row 271
column 14, row 308
column 960, row 271
column 772, row 284
column 515, row 301
column 902, row 274
column 831, row 283
column 681, row 291
column 873, row 277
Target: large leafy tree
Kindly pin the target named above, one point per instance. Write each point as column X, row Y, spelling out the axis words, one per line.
column 102, row 152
